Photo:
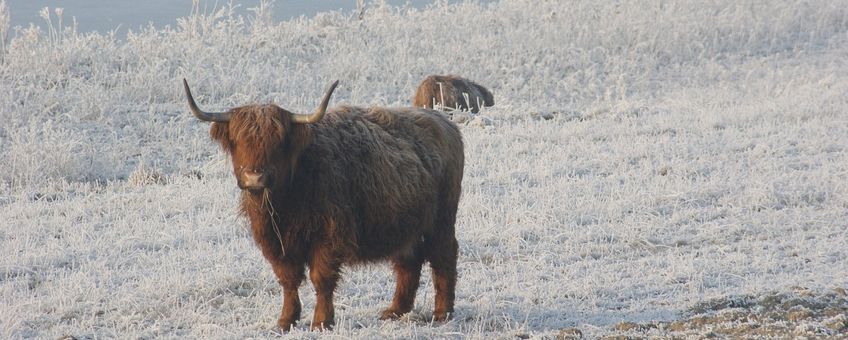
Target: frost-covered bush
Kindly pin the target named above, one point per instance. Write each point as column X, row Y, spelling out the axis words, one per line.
column 4, row 27
column 559, row 55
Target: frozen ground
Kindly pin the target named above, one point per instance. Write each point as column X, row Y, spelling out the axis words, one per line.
column 648, row 164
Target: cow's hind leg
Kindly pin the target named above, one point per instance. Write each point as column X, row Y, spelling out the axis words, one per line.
column 442, row 251
column 443, row 263
column 408, row 273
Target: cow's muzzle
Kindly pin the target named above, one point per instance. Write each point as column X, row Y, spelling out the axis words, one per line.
column 254, row 182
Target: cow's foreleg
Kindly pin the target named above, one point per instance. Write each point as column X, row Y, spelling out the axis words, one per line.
column 324, row 272
column 290, row 275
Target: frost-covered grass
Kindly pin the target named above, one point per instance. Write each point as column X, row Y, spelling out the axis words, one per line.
column 695, row 151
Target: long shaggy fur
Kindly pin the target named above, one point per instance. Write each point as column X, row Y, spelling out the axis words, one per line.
column 452, row 92
column 360, row 185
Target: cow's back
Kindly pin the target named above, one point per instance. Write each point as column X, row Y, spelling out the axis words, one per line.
column 387, row 167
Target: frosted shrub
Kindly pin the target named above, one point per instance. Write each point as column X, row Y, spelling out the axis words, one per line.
column 572, row 56
column 41, row 151
column 143, row 175
column 4, row 28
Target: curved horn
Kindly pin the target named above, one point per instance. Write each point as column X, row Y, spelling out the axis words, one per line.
column 319, row 112
column 221, row 117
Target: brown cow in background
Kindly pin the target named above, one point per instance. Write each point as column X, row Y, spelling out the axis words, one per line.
column 452, row 92
column 355, row 186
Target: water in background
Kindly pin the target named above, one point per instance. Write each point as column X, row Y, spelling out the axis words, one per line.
column 121, row 15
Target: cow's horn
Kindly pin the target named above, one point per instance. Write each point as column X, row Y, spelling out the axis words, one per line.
column 222, row 117
column 319, row 112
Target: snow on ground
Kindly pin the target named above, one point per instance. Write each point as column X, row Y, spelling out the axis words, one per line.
column 643, row 158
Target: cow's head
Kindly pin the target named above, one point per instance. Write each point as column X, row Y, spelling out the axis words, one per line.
column 264, row 141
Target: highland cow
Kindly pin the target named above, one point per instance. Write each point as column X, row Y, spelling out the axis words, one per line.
column 350, row 187
column 452, row 92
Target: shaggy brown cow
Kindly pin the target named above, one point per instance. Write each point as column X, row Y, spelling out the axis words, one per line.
column 452, row 92
column 355, row 186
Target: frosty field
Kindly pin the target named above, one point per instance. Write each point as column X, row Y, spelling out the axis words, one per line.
column 650, row 168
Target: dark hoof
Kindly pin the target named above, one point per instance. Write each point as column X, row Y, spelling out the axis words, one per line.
column 392, row 314
column 286, row 325
column 322, row 326
column 442, row 316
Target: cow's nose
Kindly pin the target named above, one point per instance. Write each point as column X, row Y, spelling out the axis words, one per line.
column 254, row 181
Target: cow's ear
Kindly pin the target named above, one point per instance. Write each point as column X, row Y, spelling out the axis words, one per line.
column 488, row 98
column 220, row 132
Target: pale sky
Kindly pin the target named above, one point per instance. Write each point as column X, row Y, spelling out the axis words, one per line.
column 105, row 15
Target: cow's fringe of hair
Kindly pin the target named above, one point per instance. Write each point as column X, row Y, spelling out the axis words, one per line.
column 263, row 128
